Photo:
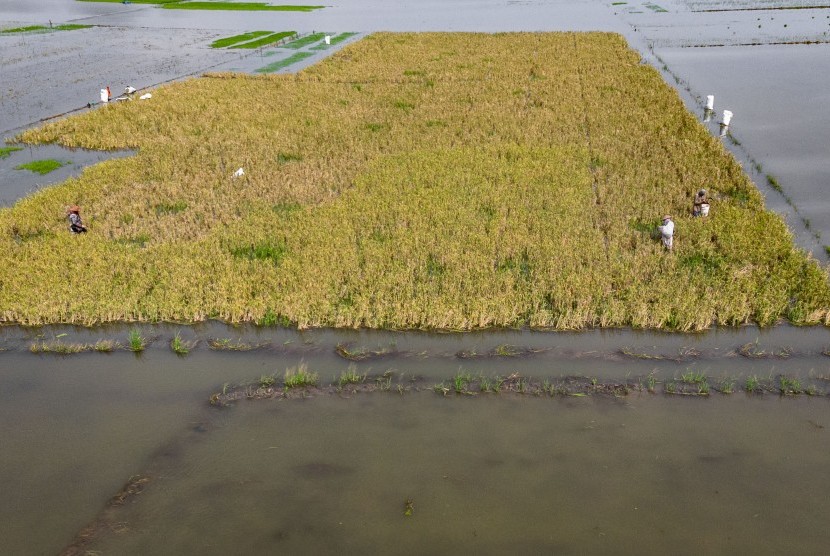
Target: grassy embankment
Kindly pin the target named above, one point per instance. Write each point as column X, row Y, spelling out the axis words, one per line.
column 436, row 180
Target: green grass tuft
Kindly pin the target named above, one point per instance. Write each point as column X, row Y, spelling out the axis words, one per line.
column 41, row 167
column 5, row 152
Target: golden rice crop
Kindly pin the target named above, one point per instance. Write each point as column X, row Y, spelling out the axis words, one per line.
column 433, row 180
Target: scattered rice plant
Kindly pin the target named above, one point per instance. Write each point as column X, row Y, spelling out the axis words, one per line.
column 59, row 347
column 752, row 384
column 43, row 28
column 504, row 215
column 351, row 376
column 299, row 377
column 106, row 346
column 136, row 342
column 789, row 385
column 179, row 346
column 236, row 6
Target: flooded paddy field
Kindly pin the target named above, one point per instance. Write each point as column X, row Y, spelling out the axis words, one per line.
column 125, row 456
column 644, row 473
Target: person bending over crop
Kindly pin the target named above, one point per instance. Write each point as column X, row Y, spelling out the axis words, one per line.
column 667, row 232
column 701, row 204
column 75, row 224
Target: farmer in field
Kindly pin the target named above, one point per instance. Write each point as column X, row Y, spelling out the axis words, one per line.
column 75, row 224
column 701, row 204
column 667, row 232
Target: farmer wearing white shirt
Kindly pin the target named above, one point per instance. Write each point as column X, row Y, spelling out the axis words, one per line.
column 667, row 232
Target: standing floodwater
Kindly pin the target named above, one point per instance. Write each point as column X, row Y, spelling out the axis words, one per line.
column 488, row 476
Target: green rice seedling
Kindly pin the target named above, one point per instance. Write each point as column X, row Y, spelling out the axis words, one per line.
column 351, row 376
column 285, row 62
column 135, row 341
column 651, row 382
column 408, row 507
column 811, row 390
column 521, row 385
column 441, row 388
column 41, row 167
column 506, row 350
column 752, row 384
column 726, row 385
column 702, row 388
column 670, row 387
column 305, row 41
column 773, row 183
column 244, row 37
column 693, row 377
column 179, row 346
column 267, row 381
column 384, row 382
column 460, row 382
column 106, row 346
column 226, row 344
column 547, row 387
column 235, row 6
column 58, row 347
column 300, row 377
column 5, row 152
column 484, row 384
column 337, row 39
column 789, row 385
column 267, row 40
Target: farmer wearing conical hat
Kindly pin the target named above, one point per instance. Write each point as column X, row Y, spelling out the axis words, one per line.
column 667, row 232
column 75, row 224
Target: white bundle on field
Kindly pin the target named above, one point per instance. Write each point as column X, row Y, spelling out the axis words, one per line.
column 239, row 173
column 145, row 96
column 128, row 90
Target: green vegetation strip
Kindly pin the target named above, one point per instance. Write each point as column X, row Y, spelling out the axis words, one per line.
column 237, row 6
column 434, row 181
column 225, row 6
column 228, row 41
column 265, row 41
column 305, row 41
column 284, row 63
column 134, row 1
column 41, row 167
column 30, row 28
column 334, row 40
column 5, row 152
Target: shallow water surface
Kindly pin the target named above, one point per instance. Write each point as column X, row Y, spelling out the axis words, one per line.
column 16, row 184
column 488, row 476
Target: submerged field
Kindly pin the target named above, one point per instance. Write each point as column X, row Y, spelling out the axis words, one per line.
column 410, row 181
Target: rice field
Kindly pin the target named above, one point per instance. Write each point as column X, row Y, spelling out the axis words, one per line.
column 436, row 181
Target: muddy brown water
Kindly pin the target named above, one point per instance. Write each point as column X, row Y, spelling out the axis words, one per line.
column 638, row 474
column 268, row 474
